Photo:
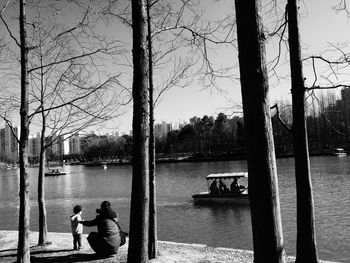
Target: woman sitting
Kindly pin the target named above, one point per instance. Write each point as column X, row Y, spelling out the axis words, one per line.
column 107, row 239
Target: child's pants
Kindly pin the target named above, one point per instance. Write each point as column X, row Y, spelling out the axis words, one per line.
column 77, row 241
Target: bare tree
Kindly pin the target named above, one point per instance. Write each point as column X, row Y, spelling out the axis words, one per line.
column 63, row 90
column 263, row 185
column 73, row 97
column 158, row 62
column 306, row 239
column 178, row 77
column 139, row 212
column 23, row 252
column 152, row 236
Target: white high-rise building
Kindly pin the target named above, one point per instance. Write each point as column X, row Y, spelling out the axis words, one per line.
column 9, row 143
column 34, row 145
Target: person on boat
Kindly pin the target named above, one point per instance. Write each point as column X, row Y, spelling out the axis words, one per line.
column 222, row 187
column 235, row 187
column 214, row 187
column 105, row 242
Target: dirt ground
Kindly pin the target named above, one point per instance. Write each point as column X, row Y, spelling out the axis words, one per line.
column 60, row 250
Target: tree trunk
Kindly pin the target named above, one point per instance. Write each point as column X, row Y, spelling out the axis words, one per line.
column 139, row 212
column 263, row 185
column 152, row 242
column 41, row 188
column 306, row 241
column 23, row 252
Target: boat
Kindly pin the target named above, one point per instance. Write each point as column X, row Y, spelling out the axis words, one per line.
column 104, row 166
column 339, row 152
column 235, row 195
column 54, row 172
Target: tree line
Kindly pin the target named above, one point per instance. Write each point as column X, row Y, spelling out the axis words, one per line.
column 224, row 135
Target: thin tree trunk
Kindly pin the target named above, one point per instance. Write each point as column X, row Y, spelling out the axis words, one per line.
column 306, row 240
column 263, row 185
column 41, row 188
column 139, row 212
column 41, row 200
column 23, row 252
column 152, row 242
column 41, row 179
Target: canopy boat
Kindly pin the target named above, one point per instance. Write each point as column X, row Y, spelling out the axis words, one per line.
column 54, row 172
column 339, row 152
column 220, row 193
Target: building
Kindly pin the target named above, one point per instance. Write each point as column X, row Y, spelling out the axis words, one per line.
column 162, row 129
column 9, row 143
column 2, row 143
column 34, row 146
column 75, row 144
column 56, row 149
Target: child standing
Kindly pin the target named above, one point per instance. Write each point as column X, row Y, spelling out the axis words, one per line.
column 77, row 227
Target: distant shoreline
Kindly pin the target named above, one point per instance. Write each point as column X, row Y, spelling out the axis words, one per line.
column 194, row 159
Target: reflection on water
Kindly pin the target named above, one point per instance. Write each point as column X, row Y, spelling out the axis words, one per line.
column 180, row 220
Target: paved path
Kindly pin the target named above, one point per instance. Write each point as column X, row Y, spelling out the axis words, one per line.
column 60, row 251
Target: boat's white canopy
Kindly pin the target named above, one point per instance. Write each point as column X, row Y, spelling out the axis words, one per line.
column 227, row 175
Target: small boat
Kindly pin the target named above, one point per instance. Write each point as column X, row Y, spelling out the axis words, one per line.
column 339, row 152
column 237, row 194
column 54, row 172
column 104, row 166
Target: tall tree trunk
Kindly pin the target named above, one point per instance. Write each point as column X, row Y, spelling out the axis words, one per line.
column 23, row 252
column 152, row 242
column 139, row 212
column 41, row 188
column 42, row 160
column 306, row 240
column 262, row 179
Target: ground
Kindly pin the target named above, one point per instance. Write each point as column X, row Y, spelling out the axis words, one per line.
column 60, row 250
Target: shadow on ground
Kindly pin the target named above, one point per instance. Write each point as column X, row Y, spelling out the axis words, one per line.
column 78, row 257
column 33, row 252
column 8, row 250
column 57, row 256
column 63, row 258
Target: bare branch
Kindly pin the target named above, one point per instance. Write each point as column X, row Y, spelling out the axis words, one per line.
column 6, row 25
column 71, row 102
column 67, row 60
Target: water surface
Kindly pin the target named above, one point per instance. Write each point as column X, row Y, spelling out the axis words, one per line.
column 178, row 219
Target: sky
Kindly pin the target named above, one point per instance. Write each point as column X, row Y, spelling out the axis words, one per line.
column 320, row 26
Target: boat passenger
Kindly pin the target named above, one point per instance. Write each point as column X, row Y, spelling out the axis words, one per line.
column 222, row 187
column 214, row 188
column 235, row 187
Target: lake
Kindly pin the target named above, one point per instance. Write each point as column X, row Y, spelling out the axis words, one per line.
column 178, row 218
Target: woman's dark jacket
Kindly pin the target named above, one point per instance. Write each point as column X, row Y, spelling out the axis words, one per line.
column 107, row 231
